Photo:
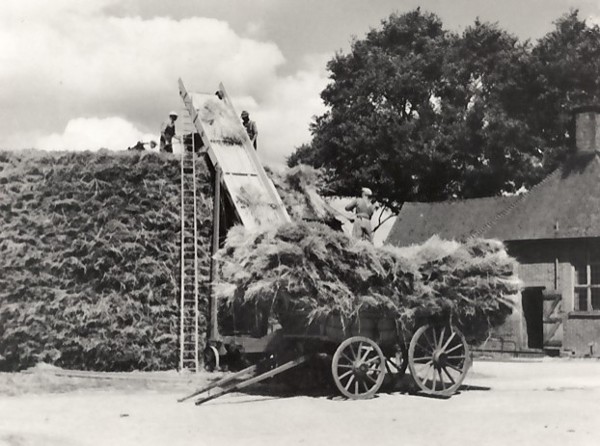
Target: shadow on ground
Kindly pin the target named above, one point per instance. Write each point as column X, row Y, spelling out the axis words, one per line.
column 316, row 382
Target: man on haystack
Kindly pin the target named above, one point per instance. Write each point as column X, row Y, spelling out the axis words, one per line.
column 139, row 146
column 364, row 209
column 167, row 133
column 250, row 127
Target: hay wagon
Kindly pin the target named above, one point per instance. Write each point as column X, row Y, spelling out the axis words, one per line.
column 363, row 350
column 366, row 348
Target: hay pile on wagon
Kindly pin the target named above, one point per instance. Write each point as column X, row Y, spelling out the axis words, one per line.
column 310, row 267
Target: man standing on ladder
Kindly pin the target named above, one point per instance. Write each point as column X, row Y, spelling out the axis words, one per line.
column 250, row 127
column 364, row 211
column 167, row 133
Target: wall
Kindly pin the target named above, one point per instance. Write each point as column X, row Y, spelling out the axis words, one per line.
column 582, row 335
column 548, row 264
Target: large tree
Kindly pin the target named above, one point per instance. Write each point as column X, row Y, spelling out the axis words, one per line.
column 419, row 113
column 567, row 67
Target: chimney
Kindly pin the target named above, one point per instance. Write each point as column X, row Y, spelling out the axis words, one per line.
column 587, row 128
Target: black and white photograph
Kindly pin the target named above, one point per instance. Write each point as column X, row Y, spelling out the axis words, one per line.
column 299, row 222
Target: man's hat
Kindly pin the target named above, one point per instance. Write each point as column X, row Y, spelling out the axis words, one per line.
column 173, row 113
column 366, row 190
column 245, row 114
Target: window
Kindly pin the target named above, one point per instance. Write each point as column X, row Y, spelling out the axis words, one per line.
column 587, row 286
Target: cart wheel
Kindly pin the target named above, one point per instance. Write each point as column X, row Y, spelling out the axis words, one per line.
column 438, row 358
column 358, row 367
column 211, row 358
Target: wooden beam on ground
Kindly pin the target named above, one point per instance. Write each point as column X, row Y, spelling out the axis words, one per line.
column 271, row 373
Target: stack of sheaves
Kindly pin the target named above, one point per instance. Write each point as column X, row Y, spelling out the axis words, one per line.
column 311, row 268
column 89, row 259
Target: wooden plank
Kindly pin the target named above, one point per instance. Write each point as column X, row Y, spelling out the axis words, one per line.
column 213, row 322
column 552, row 318
column 271, row 373
column 238, row 157
column 219, row 383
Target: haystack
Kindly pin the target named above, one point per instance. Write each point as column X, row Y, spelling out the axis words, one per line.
column 219, row 123
column 316, row 270
column 299, row 188
column 89, row 259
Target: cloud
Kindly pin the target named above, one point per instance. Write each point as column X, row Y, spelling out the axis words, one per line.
column 287, row 110
column 94, row 133
column 69, row 67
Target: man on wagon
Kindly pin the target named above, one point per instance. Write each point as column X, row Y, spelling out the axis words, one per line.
column 364, row 209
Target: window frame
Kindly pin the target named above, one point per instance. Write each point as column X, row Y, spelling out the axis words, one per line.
column 588, row 286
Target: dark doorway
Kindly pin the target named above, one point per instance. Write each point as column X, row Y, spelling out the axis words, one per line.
column 533, row 311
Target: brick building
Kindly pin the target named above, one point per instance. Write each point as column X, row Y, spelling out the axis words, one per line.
column 553, row 231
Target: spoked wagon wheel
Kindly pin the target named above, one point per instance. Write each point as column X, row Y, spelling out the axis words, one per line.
column 211, row 358
column 358, row 367
column 438, row 358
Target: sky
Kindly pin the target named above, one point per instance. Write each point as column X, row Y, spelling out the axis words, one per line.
column 81, row 75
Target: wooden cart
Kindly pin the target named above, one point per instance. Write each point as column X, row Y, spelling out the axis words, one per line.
column 363, row 351
column 372, row 345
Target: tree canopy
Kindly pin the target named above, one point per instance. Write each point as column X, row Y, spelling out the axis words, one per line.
column 419, row 113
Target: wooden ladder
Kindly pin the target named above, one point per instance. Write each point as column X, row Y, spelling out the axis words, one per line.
column 189, row 312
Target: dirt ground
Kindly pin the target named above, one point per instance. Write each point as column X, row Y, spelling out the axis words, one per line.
column 535, row 402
